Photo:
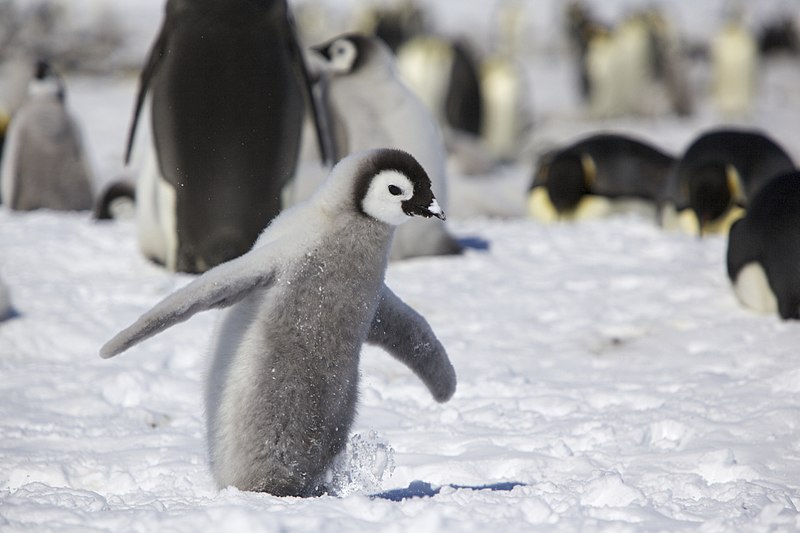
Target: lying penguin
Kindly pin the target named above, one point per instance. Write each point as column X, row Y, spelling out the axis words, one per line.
column 283, row 382
column 764, row 249
column 594, row 176
column 717, row 174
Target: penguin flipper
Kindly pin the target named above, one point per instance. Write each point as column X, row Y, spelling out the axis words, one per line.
column 160, row 47
column 408, row 337
column 317, row 109
column 220, row 287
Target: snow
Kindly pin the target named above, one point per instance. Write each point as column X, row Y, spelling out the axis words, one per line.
column 608, row 378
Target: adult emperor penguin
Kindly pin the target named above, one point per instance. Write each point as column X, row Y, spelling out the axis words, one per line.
column 717, row 174
column 373, row 108
column 444, row 74
column 587, row 177
column 224, row 90
column 764, row 249
column 44, row 161
column 734, row 62
column 283, row 382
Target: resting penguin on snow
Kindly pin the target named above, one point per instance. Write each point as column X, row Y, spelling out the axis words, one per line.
column 224, row 92
column 588, row 177
column 373, row 108
column 763, row 256
column 283, row 382
column 715, row 177
column 44, row 163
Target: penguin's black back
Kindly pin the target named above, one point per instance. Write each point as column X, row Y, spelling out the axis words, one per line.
column 227, row 108
column 756, row 157
column 625, row 166
column 463, row 107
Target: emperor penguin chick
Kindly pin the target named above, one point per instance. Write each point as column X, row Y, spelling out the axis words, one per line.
column 371, row 107
column 45, row 164
column 282, row 386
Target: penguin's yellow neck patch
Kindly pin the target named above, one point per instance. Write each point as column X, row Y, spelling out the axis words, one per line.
column 723, row 224
column 589, row 170
column 735, row 184
column 541, row 208
column 686, row 222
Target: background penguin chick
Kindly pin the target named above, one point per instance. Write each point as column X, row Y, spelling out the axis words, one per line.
column 44, row 163
column 374, row 108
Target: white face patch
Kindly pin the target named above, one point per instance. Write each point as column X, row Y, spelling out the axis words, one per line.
column 385, row 196
column 343, row 54
column 44, row 87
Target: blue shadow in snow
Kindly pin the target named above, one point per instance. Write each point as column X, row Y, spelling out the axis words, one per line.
column 10, row 314
column 474, row 243
column 422, row 489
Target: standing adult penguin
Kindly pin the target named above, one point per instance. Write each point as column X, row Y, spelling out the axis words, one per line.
column 445, row 76
column 717, row 174
column 283, row 382
column 764, row 249
column 588, row 177
column 373, row 108
column 44, row 161
column 227, row 90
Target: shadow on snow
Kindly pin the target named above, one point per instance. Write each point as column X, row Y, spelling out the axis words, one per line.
column 422, row 489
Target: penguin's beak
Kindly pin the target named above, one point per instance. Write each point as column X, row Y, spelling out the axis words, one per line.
column 323, row 50
column 432, row 210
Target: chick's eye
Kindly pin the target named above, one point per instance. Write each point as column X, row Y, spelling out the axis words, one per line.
column 394, row 190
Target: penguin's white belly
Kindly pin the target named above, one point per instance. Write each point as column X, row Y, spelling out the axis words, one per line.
column 8, row 168
column 752, row 289
column 156, row 219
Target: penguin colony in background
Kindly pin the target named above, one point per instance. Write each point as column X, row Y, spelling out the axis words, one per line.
column 44, row 162
column 223, row 92
column 723, row 175
column 283, row 383
column 634, row 68
column 373, row 108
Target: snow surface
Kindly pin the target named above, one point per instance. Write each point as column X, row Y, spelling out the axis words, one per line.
column 608, row 378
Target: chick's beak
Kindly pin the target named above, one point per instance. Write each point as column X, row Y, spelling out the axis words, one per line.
column 322, row 50
column 433, row 210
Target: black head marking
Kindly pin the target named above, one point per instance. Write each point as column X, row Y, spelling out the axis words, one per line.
column 709, row 192
column 566, row 181
column 400, row 161
column 43, row 70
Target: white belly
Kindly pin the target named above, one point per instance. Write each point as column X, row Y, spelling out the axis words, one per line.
column 752, row 289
